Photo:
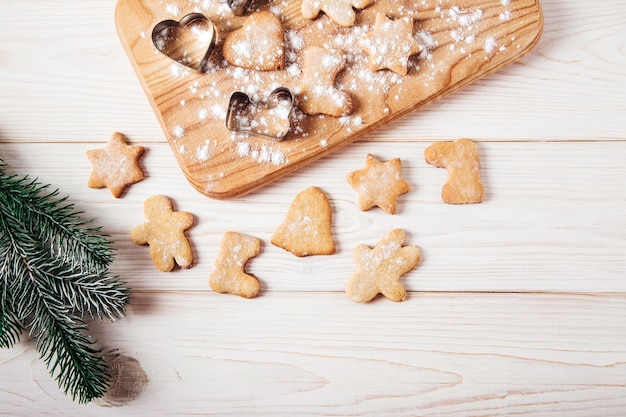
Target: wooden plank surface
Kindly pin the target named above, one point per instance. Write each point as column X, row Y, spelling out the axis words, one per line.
column 466, row 41
column 517, row 308
column 536, row 231
column 560, row 92
column 435, row 354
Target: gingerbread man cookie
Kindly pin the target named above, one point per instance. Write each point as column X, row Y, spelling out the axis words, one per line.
column 379, row 269
column 339, row 11
column 318, row 94
column 379, row 184
column 116, row 166
column 390, row 44
column 460, row 158
column 228, row 275
column 164, row 230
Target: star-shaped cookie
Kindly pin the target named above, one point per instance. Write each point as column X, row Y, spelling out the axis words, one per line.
column 339, row 11
column 379, row 184
column 116, row 165
column 379, row 269
column 390, row 44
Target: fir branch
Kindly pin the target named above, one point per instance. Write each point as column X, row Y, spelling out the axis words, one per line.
column 10, row 326
column 67, row 352
column 59, row 227
column 90, row 291
column 54, row 272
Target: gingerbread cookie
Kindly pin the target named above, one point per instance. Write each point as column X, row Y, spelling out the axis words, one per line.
column 379, row 184
column 258, row 45
column 339, row 11
column 306, row 229
column 228, row 275
column 116, row 166
column 460, row 158
column 164, row 230
column 379, row 269
column 318, row 94
column 390, row 44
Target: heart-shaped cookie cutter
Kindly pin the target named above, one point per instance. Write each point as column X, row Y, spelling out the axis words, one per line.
column 239, row 7
column 189, row 41
column 269, row 118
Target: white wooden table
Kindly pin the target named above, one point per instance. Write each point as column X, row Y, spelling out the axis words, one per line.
column 519, row 304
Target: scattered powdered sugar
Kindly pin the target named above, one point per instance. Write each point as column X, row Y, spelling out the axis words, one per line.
column 202, row 35
column 490, row 44
column 465, row 18
column 505, row 15
column 294, row 70
column 467, row 21
column 218, row 111
column 428, row 43
column 203, row 153
column 276, row 11
column 178, row 131
column 203, row 114
column 210, row 103
column 294, row 43
column 243, row 48
column 294, row 40
column 179, row 71
column 466, row 33
column 263, row 154
column 173, row 9
column 331, row 61
column 350, row 122
column 243, row 148
column 278, row 158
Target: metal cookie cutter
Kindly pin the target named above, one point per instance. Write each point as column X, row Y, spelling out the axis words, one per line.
column 239, row 7
column 189, row 41
column 269, row 118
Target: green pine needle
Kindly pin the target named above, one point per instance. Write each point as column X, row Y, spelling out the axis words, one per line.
column 54, row 273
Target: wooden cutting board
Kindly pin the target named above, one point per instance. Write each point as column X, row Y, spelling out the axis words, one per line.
column 461, row 41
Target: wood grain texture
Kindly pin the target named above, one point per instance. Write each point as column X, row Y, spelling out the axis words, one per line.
column 516, row 309
column 462, row 42
column 578, row 60
column 539, row 228
column 437, row 354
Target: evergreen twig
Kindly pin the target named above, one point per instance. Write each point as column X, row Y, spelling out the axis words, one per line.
column 54, row 272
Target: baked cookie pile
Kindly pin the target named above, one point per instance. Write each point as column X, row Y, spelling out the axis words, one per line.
column 261, row 45
column 259, row 52
column 307, row 227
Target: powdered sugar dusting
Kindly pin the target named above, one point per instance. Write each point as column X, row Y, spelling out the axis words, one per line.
column 490, row 44
column 263, row 154
column 203, row 153
column 173, row 9
column 178, row 131
column 459, row 28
